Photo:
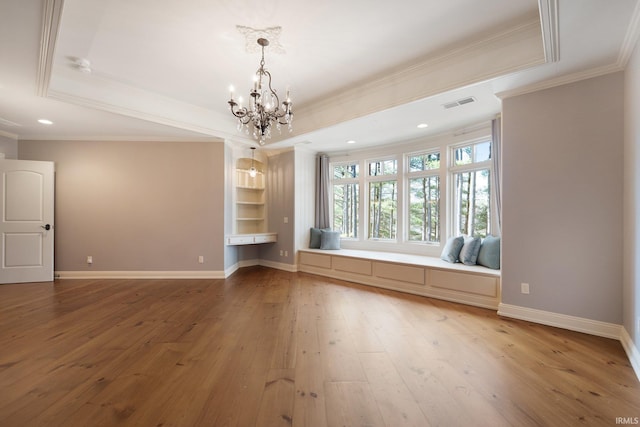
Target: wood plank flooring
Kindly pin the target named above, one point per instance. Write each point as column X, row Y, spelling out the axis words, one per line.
column 273, row 348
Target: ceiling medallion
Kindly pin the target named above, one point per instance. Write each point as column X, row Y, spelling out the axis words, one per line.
column 264, row 108
column 252, row 34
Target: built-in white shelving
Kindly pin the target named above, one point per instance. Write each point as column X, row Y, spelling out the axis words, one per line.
column 250, row 224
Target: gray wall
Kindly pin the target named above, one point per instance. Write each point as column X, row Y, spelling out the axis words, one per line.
column 280, row 201
column 305, row 195
column 562, row 199
column 8, row 147
column 136, row 206
column 632, row 198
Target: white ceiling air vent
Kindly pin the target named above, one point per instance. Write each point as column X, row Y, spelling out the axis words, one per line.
column 459, row 102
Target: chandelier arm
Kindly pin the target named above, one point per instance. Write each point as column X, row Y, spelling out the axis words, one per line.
column 236, row 110
column 273, row 92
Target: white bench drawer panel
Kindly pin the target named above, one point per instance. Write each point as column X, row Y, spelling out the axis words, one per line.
column 400, row 272
column 315, row 260
column 481, row 285
column 352, row 265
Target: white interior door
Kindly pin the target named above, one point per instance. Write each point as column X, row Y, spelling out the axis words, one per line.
column 26, row 227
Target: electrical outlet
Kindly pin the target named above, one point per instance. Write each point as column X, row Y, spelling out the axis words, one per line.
column 200, row 259
column 89, row 259
column 281, row 252
column 286, row 220
column 286, row 253
column 524, row 288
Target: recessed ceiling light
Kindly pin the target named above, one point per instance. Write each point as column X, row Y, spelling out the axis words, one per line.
column 351, row 141
column 422, row 125
column 45, row 122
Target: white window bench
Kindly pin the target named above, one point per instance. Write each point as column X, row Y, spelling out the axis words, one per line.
column 420, row 275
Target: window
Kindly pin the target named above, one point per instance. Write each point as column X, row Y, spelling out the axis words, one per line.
column 409, row 198
column 345, row 199
column 383, row 199
column 472, row 189
column 424, row 197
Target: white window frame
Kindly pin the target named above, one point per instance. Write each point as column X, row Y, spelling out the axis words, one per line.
column 408, row 175
column 357, row 180
column 453, row 169
column 400, row 152
column 368, row 179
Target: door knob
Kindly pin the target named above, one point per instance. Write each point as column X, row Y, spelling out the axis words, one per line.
column 46, row 227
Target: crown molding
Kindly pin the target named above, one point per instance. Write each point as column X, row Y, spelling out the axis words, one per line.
column 550, row 29
column 631, row 37
column 132, row 112
column 508, row 51
column 9, row 135
column 119, row 98
column 209, row 132
column 119, row 138
column 51, row 14
column 562, row 80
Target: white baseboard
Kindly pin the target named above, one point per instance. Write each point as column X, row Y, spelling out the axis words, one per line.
column 140, row 274
column 632, row 351
column 251, row 262
column 240, row 264
column 90, row 274
column 292, row 268
column 573, row 323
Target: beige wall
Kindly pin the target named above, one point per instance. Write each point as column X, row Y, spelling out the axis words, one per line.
column 136, row 206
column 562, row 199
column 8, row 147
column 631, row 295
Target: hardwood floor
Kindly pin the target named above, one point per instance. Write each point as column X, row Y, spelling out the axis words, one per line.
column 272, row 348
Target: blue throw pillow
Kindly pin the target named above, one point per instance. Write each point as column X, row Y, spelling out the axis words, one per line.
column 470, row 250
column 314, row 237
column 329, row 239
column 489, row 255
column 451, row 250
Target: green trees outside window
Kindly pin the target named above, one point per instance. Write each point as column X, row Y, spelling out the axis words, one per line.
column 424, row 197
column 346, row 193
column 416, row 197
column 383, row 210
column 383, row 199
column 472, row 189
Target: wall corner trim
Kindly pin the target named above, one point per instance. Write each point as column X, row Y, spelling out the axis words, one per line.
column 572, row 323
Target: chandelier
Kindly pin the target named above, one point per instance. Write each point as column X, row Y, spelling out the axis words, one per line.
column 264, row 108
